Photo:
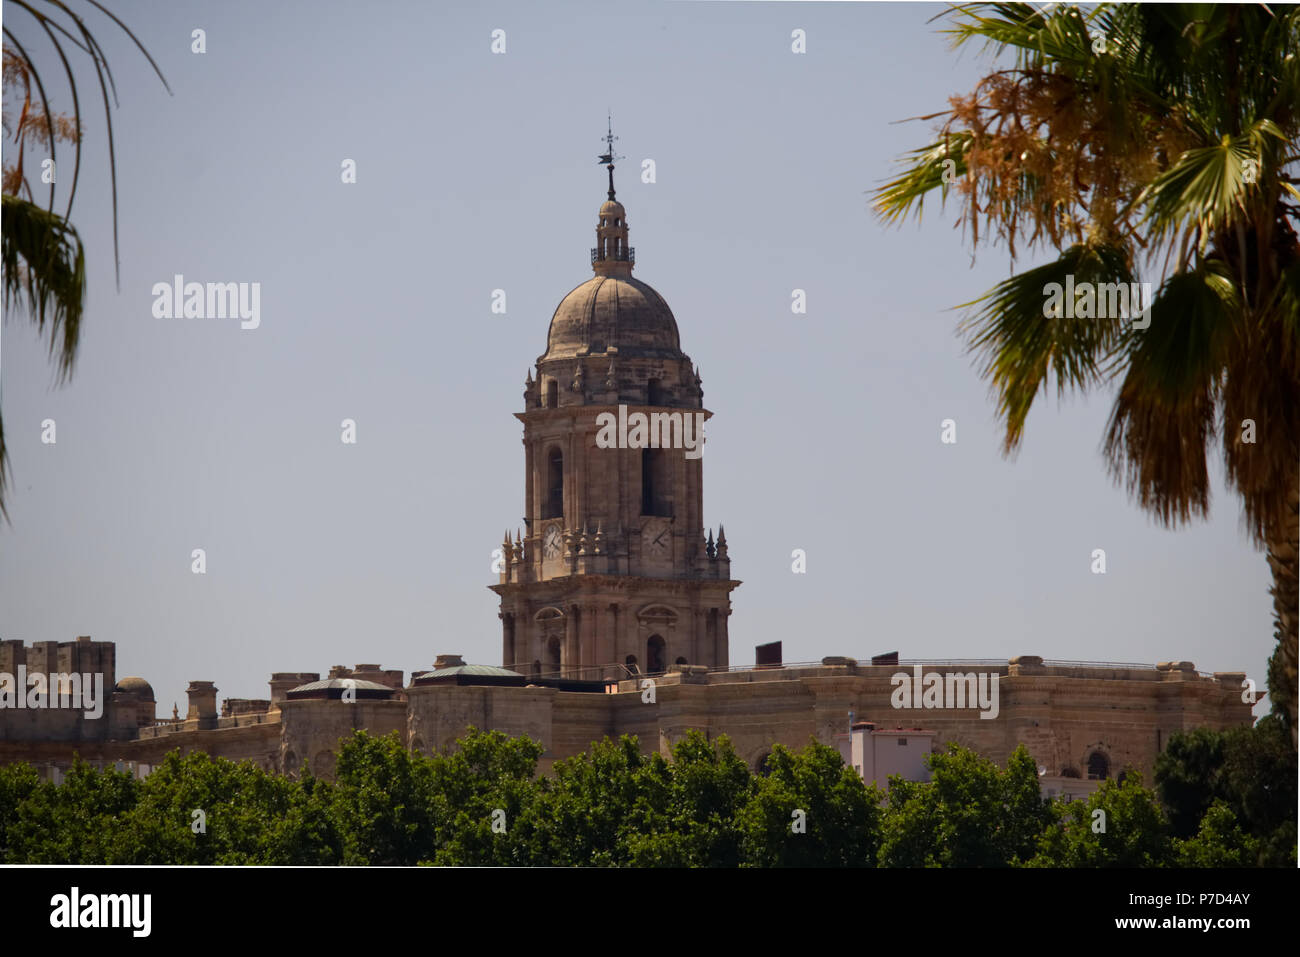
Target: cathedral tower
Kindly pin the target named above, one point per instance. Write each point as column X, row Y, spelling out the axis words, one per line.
column 614, row 573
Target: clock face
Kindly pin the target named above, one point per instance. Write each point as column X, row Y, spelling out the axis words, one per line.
column 658, row 534
column 551, row 541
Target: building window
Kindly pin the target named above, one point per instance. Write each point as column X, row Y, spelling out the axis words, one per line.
column 553, row 655
column 654, row 655
column 554, row 507
column 654, row 393
column 656, row 482
column 550, row 394
column 1098, row 767
column 681, row 660
column 902, row 742
column 630, row 661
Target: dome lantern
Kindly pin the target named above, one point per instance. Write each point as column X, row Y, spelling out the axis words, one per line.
column 611, row 256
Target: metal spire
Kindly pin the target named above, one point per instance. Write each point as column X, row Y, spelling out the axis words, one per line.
column 608, row 157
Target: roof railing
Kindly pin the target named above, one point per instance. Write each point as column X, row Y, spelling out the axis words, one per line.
column 627, row 255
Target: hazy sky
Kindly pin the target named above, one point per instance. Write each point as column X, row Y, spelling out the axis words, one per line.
column 476, row 172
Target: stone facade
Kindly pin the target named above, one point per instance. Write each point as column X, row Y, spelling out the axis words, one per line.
column 1078, row 720
column 615, row 579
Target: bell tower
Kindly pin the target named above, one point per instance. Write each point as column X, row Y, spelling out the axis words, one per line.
column 613, row 574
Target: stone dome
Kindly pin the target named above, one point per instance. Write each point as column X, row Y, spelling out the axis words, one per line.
column 612, row 209
column 613, row 313
column 135, row 686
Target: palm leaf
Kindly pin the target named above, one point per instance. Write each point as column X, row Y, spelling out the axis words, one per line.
column 1022, row 342
column 44, row 268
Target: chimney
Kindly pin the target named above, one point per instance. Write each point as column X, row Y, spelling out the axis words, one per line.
column 282, row 682
column 447, row 661
column 203, row 705
column 768, row 656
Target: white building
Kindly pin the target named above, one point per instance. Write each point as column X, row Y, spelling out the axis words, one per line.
column 876, row 753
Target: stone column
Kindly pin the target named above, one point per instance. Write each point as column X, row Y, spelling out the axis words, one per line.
column 570, row 640
column 508, row 653
column 723, row 640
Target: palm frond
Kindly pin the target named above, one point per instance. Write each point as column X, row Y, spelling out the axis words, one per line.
column 1164, row 418
column 1023, row 340
column 926, row 171
column 44, row 268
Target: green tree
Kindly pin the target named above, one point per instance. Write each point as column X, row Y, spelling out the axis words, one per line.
column 1120, row 825
column 971, row 813
column 383, row 802
column 17, row 783
column 248, row 816
column 709, row 785
column 76, row 822
column 487, row 778
column 839, row 824
column 588, row 812
column 1219, row 842
column 1187, row 776
column 1154, row 142
column 1251, row 770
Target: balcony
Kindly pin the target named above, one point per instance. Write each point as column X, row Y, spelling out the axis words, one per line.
column 628, row 255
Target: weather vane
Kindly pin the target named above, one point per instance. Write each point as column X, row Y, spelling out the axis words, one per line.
column 608, row 157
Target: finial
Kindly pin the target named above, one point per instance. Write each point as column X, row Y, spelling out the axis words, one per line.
column 608, row 156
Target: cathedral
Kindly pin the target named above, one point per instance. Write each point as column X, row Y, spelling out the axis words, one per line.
column 615, row 575
column 614, row 601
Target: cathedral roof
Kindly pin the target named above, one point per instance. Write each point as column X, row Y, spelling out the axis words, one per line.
column 615, row 314
column 476, row 671
column 334, row 688
column 612, row 313
column 136, row 686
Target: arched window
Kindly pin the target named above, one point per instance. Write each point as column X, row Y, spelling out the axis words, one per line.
column 554, row 507
column 760, row 765
column 656, row 483
column 681, row 660
column 654, row 393
column 553, row 655
column 630, row 661
column 537, row 668
column 1098, row 767
column 655, row 656
column 550, row 394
